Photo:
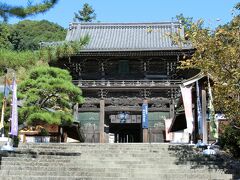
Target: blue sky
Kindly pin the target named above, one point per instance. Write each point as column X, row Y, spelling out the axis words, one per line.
column 141, row 10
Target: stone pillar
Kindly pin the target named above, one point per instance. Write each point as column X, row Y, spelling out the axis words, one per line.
column 145, row 129
column 204, row 116
column 101, row 122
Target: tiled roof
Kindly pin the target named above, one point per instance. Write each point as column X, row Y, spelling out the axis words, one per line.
column 127, row 36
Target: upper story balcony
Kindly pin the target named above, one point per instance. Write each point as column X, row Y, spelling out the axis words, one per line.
column 127, row 84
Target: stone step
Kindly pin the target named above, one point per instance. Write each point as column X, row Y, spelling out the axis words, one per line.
column 61, row 173
column 90, row 162
column 191, row 175
column 108, row 146
column 97, row 178
column 105, row 146
column 114, row 160
column 119, row 170
column 17, row 177
column 98, row 146
column 96, row 155
column 100, row 165
column 109, row 161
column 92, row 158
column 94, row 150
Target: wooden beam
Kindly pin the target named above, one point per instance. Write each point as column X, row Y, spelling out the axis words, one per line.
column 204, row 116
column 127, row 101
column 121, row 108
column 172, row 111
column 101, row 122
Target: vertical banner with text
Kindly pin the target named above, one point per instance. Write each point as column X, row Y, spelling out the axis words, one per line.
column 187, row 103
column 144, row 115
column 199, row 110
column 14, row 115
column 213, row 121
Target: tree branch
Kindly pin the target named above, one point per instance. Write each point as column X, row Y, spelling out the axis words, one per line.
column 7, row 10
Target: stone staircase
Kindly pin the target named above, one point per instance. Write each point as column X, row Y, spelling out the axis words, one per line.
column 111, row 162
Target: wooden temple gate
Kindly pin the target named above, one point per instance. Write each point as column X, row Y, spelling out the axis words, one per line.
column 124, row 66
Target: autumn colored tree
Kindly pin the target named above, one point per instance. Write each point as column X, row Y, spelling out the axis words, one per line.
column 218, row 55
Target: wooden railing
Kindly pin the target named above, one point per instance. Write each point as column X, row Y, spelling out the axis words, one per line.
column 126, row 83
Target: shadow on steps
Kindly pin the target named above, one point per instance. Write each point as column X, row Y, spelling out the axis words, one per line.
column 188, row 155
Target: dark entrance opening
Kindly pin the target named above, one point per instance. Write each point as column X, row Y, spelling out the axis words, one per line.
column 126, row 132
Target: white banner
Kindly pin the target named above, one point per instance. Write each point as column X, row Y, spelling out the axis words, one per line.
column 14, row 117
column 187, row 102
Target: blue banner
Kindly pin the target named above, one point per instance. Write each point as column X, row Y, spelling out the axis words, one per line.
column 199, row 110
column 145, row 116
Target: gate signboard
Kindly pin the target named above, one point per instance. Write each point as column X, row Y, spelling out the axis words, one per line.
column 145, row 116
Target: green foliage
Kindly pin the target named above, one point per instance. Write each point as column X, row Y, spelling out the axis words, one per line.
column 24, row 60
column 7, row 10
column 86, row 14
column 48, row 95
column 237, row 6
column 186, row 21
column 4, row 35
column 230, row 140
column 44, row 132
column 65, row 49
column 1, row 100
column 26, row 35
column 6, row 113
column 17, row 60
column 218, row 55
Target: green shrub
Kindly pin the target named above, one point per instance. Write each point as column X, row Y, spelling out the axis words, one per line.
column 230, row 140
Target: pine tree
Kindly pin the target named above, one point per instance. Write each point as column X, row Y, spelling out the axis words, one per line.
column 7, row 10
column 48, row 95
column 86, row 14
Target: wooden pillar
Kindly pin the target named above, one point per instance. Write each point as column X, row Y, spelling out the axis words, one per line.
column 172, row 103
column 102, row 69
column 145, row 135
column 75, row 112
column 204, row 116
column 168, row 69
column 79, row 69
column 195, row 133
column 172, row 111
column 101, row 122
column 145, row 129
column 145, row 67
